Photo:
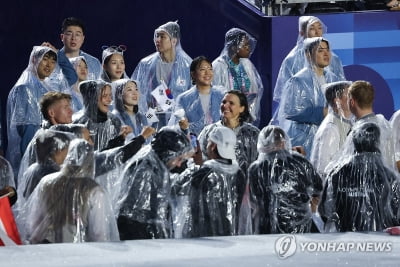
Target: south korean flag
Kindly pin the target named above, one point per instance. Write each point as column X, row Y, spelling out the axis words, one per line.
column 164, row 97
column 151, row 116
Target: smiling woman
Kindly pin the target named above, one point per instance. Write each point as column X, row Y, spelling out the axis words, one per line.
column 201, row 102
column 105, row 128
column 113, row 63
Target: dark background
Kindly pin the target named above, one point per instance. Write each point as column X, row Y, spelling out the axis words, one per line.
column 24, row 24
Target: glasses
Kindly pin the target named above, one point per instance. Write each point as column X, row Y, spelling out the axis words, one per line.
column 70, row 35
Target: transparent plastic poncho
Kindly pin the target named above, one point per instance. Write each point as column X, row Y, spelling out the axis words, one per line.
column 243, row 76
column 102, row 127
column 246, row 144
column 138, row 121
column 6, row 173
column 145, row 193
column 149, row 72
column 77, row 100
column 108, row 51
column 69, row 206
column 295, row 60
column 360, row 192
column 214, row 199
column 300, row 111
column 282, row 183
column 331, row 134
column 190, row 103
column 44, row 146
column 386, row 141
column 395, row 124
column 23, row 108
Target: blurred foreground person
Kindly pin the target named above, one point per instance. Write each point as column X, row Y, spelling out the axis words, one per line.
column 360, row 193
column 69, row 206
column 282, row 184
column 143, row 202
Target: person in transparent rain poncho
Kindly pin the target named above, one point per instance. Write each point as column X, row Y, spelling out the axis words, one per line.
column 303, row 106
column 282, row 185
column 110, row 162
column 105, row 128
column 360, row 193
column 361, row 98
column 332, row 132
column 7, row 183
column 126, row 106
column 309, row 26
column 233, row 70
column 113, row 63
column 201, row 103
column 51, row 149
column 395, row 124
column 144, row 199
column 235, row 115
column 55, row 108
column 23, row 111
column 72, row 35
column 214, row 198
column 168, row 66
column 69, row 206
column 81, row 68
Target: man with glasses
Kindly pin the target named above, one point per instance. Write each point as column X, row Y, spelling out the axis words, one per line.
column 73, row 36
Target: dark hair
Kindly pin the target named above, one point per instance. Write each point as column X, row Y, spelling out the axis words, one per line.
column 245, row 115
column 335, row 90
column 310, row 45
column 49, row 99
column 363, row 93
column 366, row 138
column 74, row 128
column 51, row 54
column 277, row 133
column 196, row 63
column 48, row 142
column 72, row 21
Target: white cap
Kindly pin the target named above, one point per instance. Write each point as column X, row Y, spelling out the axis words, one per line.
column 225, row 139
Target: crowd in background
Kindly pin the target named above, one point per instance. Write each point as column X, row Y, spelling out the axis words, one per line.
column 175, row 150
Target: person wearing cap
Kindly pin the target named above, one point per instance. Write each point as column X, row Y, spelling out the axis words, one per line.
column 282, row 185
column 233, row 70
column 113, row 63
column 214, row 198
column 23, row 111
column 168, row 66
column 303, row 105
column 143, row 204
column 361, row 193
column 332, row 132
column 236, row 116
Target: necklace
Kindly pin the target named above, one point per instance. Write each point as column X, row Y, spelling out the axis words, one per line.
column 240, row 79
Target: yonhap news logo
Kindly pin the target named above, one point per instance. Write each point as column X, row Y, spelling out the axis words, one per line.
column 286, row 246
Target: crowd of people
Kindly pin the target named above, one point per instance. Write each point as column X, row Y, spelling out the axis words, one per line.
column 177, row 151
